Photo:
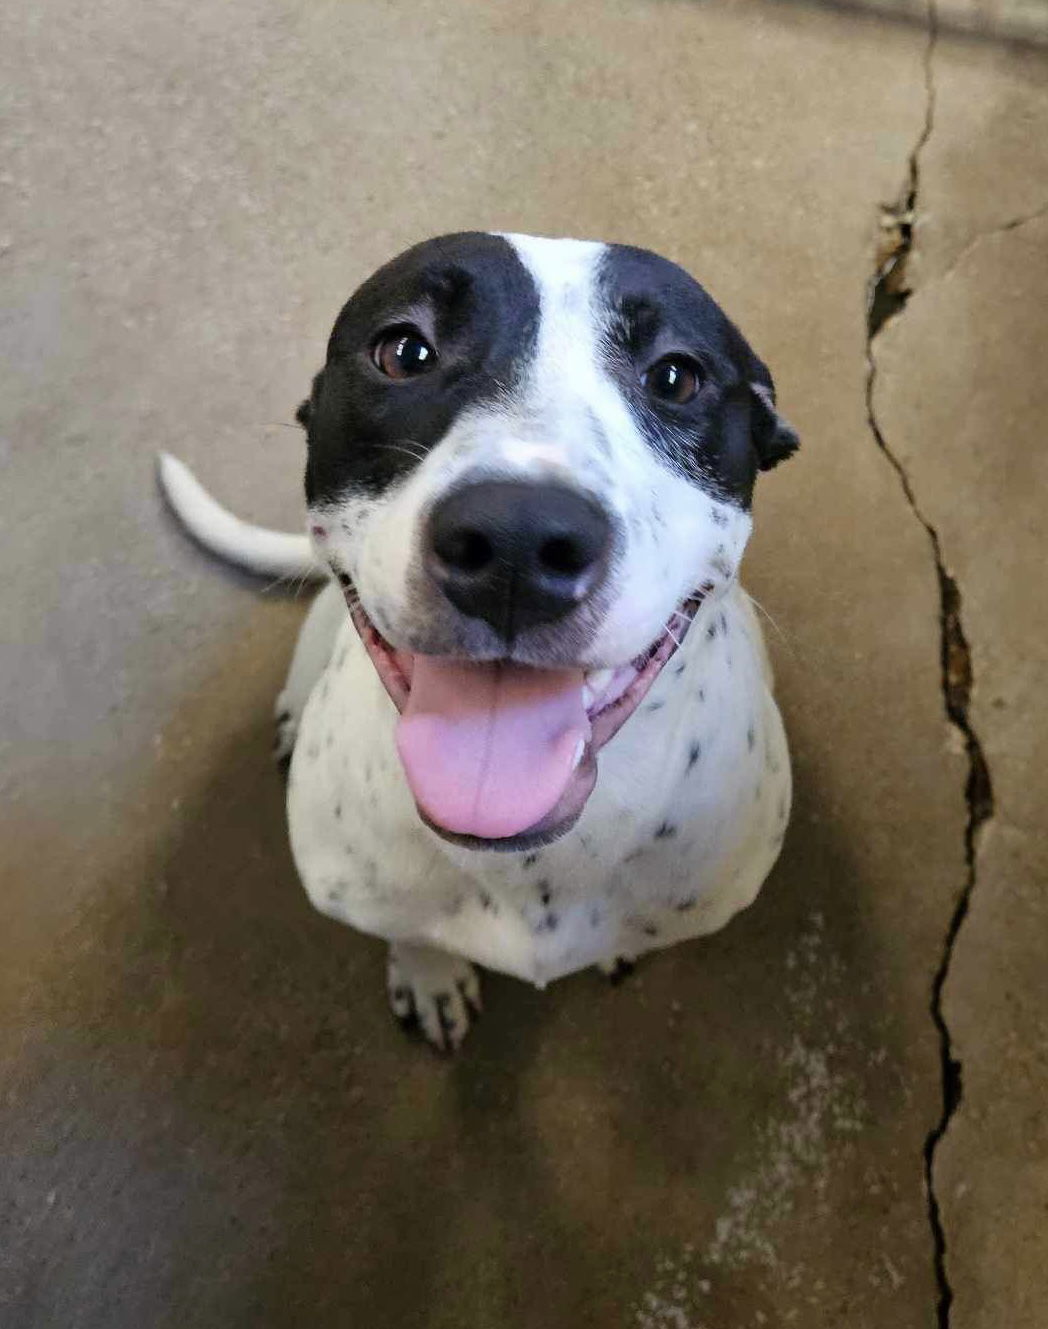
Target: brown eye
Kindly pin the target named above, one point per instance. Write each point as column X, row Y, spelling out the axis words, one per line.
column 403, row 353
column 674, row 378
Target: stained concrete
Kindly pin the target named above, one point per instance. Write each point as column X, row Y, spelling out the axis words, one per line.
column 208, row 1116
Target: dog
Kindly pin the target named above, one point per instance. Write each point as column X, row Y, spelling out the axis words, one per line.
column 529, row 718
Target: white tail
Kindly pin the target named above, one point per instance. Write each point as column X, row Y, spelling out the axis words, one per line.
column 270, row 553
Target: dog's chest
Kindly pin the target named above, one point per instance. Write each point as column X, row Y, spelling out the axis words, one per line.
column 688, row 811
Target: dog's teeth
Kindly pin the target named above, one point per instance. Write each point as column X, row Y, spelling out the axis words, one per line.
column 595, row 685
column 579, row 750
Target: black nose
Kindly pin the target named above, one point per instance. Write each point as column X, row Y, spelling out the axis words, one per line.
column 517, row 554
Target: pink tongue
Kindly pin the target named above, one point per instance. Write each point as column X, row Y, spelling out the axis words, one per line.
column 489, row 749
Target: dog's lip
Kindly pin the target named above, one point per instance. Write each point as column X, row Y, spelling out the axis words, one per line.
column 605, row 720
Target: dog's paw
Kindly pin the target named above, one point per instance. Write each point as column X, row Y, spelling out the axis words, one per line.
column 434, row 992
column 286, row 731
column 618, row 968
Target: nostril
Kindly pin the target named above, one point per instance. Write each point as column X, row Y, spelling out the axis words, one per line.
column 465, row 550
column 564, row 556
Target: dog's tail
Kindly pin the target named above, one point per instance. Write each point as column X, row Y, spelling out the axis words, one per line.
column 254, row 548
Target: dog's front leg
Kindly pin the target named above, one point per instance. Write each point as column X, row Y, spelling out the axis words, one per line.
column 435, row 991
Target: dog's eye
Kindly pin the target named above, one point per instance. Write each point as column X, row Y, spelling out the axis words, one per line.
column 674, row 378
column 403, row 353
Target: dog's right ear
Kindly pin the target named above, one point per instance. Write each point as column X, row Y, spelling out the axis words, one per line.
column 304, row 414
column 774, row 437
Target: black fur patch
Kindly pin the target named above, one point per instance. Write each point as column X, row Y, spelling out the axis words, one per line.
column 475, row 301
column 730, row 429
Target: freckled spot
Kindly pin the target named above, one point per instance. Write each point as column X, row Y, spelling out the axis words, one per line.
column 711, row 632
column 545, row 893
column 723, row 625
column 654, row 705
column 529, row 860
column 486, row 901
column 694, row 753
column 718, row 517
column 680, row 669
column 682, row 906
column 751, row 738
column 334, row 896
column 666, row 831
column 702, row 694
column 650, row 930
column 707, row 588
column 338, row 811
column 549, row 923
column 343, row 578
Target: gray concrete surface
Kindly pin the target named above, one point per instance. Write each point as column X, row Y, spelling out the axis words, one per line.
column 208, row 1118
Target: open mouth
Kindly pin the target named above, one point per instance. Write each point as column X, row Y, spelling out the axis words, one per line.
column 500, row 755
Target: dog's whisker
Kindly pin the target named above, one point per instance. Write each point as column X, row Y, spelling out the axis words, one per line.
column 778, row 631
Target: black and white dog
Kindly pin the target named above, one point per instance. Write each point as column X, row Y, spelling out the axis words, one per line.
column 543, row 735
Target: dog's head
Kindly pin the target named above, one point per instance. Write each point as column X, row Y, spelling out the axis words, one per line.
column 529, row 460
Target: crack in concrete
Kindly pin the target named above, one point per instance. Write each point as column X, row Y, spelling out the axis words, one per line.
column 887, row 293
column 1013, row 224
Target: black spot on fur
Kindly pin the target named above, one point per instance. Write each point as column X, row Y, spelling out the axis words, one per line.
column 338, row 811
column 620, row 971
column 529, row 860
column 723, row 625
column 682, row 906
column 711, row 632
column 343, row 579
column 718, row 516
column 694, row 753
column 545, row 894
column 486, row 902
column 650, row 930
column 702, row 694
column 655, row 705
column 680, row 669
column 751, row 738
column 665, row 831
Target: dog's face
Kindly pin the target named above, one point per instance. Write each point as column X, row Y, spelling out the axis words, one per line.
column 529, row 460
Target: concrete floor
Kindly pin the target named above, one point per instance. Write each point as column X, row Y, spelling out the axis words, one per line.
column 208, row 1118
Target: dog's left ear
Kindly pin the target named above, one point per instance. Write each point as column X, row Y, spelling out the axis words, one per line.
column 773, row 437
column 304, row 414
